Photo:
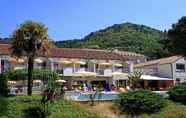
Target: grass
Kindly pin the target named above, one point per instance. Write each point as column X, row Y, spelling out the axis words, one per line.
column 68, row 109
column 59, row 109
column 108, row 110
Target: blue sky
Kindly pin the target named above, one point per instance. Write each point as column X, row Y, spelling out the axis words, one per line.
column 69, row 19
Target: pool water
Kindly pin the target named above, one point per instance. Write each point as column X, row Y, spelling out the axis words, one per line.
column 101, row 96
column 86, row 96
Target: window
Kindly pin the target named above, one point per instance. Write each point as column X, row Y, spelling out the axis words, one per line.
column 119, row 69
column 180, row 67
column 84, row 66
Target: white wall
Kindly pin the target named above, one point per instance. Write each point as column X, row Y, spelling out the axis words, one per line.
column 148, row 70
column 67, row 71
column 180, row 75
column 165, row 70
column 108, row 72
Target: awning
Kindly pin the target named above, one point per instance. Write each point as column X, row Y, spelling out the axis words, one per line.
column 150, row 77
column 105, row 64
column 84, row 74
column 119, row 74
column 118, row 65
column 79, row 62
column 62, row 61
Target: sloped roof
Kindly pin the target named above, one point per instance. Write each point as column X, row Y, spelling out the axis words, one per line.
column 84, row 54
column 126, row 53
column 5, row 49
column 161, row 61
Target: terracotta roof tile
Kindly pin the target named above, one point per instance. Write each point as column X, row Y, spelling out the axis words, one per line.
column 81, row 53
column 71, row 53
column 159, row 61
column 5, row 49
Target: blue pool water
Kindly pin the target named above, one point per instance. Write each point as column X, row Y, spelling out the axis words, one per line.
column 82, row 96
column 102, row 96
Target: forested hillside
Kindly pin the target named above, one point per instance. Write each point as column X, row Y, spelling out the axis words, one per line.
column 126, row 36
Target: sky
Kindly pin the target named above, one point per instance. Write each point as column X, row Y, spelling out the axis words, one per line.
column 74, row 19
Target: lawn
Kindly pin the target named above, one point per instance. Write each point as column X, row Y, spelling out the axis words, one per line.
column 68, row 109
column 59, row 108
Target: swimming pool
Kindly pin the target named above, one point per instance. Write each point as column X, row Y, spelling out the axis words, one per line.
column 85, row 96
column 101, row 96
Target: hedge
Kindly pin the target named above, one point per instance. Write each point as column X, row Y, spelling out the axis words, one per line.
column 141, row 101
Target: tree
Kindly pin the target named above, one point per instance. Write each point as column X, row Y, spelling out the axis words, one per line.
column 29, row 39
column 177, row 37
column 134, row 80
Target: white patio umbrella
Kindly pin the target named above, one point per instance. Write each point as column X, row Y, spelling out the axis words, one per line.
column 18, row 68
column 79, row 62
column 21, row 60
column 105, row 64
column 16, row 60
column 118, row 65
column 60, row 81
column 11, row 82
column 37, row 60
column 84, row 74
column 119, row 74
column 36, row 81
column 62, row 61
column 150, row 77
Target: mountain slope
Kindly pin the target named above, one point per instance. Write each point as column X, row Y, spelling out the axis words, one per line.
column 126, row 36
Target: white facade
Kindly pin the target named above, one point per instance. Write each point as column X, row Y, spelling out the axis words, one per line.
column 68, row 70
column 175, row 70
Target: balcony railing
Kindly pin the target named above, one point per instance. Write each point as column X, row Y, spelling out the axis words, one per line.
column 100, row 72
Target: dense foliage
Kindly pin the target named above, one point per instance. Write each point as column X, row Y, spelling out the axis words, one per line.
column 177, row 37
column 134, row 80
column 37, row 73
column 21, row 106
column 137, row 102
column 3, row 85
column 126, row 36
column 3, row 105
column 177, row 93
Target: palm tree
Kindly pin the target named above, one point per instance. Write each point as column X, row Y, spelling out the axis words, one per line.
column 27, row 40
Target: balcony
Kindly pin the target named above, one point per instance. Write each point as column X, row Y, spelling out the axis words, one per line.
column 104, row 72
column 80, row 69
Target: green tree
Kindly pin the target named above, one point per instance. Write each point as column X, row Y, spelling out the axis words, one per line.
column 177, row 37
column 134, row 80
column 126, row 36
column 27, row 40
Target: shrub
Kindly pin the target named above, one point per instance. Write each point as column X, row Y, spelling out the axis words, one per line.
column 3, row 105
column 22, row 106
column 137, row 102
column 177, row 93
column 134, row 80
column 172, row 110
column 35, row 112
column 37, row 73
